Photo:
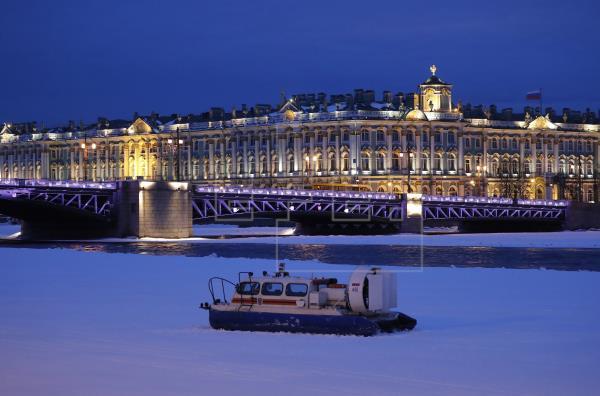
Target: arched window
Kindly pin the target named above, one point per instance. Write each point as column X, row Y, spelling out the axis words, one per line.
column 251, row 165
column 538, row 166
column 332, row 162
column 380, row 161
column 494, row 143
column 425, row 190
column 396, row 161
column 380, row 189
column 562, row 166
column 318, row 162
column 571, row 167
column 365, row 160
column 468, row 165
column 345, row 162
column 437, row 162
column 452, row 191
column 263, row 164
column 424, row 162
column 439, row 191
column 589, row 169
column 240, row 166
column 514, row 166
column 590, row 195
column 274, row 163
column 290, row 163
column 451, row 162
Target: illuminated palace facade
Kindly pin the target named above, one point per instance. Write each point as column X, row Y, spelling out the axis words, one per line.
column 418, row 142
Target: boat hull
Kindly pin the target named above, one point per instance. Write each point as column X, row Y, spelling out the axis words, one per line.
column 306, row 323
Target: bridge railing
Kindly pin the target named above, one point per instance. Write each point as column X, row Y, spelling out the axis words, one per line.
column 69, row 184
column 296, row 193
column 494, row 201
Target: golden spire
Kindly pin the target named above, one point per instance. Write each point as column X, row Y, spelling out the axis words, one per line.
column 433, row 69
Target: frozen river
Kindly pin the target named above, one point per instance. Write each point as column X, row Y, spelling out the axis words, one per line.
column 85, row 321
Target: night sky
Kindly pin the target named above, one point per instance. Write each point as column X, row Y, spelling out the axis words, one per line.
column 64, row 60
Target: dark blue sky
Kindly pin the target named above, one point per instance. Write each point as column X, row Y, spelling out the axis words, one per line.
column 65, row 60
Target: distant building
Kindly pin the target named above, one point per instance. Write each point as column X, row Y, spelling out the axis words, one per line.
column 418, row 142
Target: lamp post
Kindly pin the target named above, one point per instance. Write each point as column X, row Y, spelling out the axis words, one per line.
column 409, row 167
column 174, row 146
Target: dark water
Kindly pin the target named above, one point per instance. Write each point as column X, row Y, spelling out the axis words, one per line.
column 429, row 256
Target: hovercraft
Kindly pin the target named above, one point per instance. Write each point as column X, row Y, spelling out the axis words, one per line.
column 284, row 303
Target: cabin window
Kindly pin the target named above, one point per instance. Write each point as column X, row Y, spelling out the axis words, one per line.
column 248, row 288
column 296, row 289
column 272, row 289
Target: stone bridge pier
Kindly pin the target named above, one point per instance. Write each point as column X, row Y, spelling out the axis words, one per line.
column 153, row 209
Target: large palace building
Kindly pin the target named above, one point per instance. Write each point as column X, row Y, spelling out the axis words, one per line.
column 419, row 142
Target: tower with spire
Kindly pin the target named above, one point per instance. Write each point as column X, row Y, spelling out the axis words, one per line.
column 435, row 95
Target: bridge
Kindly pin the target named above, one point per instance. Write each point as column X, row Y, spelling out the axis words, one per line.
column 167, row 209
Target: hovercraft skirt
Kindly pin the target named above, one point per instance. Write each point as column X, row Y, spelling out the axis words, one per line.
column 306, row 323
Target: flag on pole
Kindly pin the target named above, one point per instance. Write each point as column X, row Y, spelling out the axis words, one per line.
column 534, row 95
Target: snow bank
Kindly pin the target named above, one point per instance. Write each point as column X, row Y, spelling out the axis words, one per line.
column 565, row 240
column 78, row 323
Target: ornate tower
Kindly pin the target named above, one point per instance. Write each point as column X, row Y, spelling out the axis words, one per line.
column 435, row 94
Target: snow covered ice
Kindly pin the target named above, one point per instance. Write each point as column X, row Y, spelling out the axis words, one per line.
column 78, row 323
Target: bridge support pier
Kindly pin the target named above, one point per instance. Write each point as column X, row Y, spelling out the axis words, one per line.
column 153, row 209
column 413, row 214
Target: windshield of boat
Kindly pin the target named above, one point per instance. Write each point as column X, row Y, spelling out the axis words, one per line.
column 248, row 288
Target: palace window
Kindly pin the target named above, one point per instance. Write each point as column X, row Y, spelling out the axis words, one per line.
column 515, row 145
column 571, row 167
column 468, row 143
column 467, row 165
column 437, row 162
column 504, row 166
column 425, row 139
column 452, row 191
column 318, row 162
column 396, row 161
column 477, row 143
column 364, row 159
column 332, row 162
column 451, row 139
column 291, row 163
column 395, row 136
column 451, row 162
column 590, row 168
column 504, row 144
column 380, row 137
column 424, row 162
column 364, row 136
column 494, row 143
column 319, row 137
column 527, row 145
column 538, row 166
column 438, row 138
column 306, row 139
column 515, row 166
column 263, row 164
column 380, row 161
column 538, row 145
column 345, row 136
column 345, row 162
column 410, row 137
column 332, row 137
column 562, row 166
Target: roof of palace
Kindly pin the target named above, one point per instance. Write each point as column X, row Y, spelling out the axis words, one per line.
column 361, row 104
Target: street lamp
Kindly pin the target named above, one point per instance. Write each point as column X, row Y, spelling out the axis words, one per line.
column 410, row 157
column 174, row 146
